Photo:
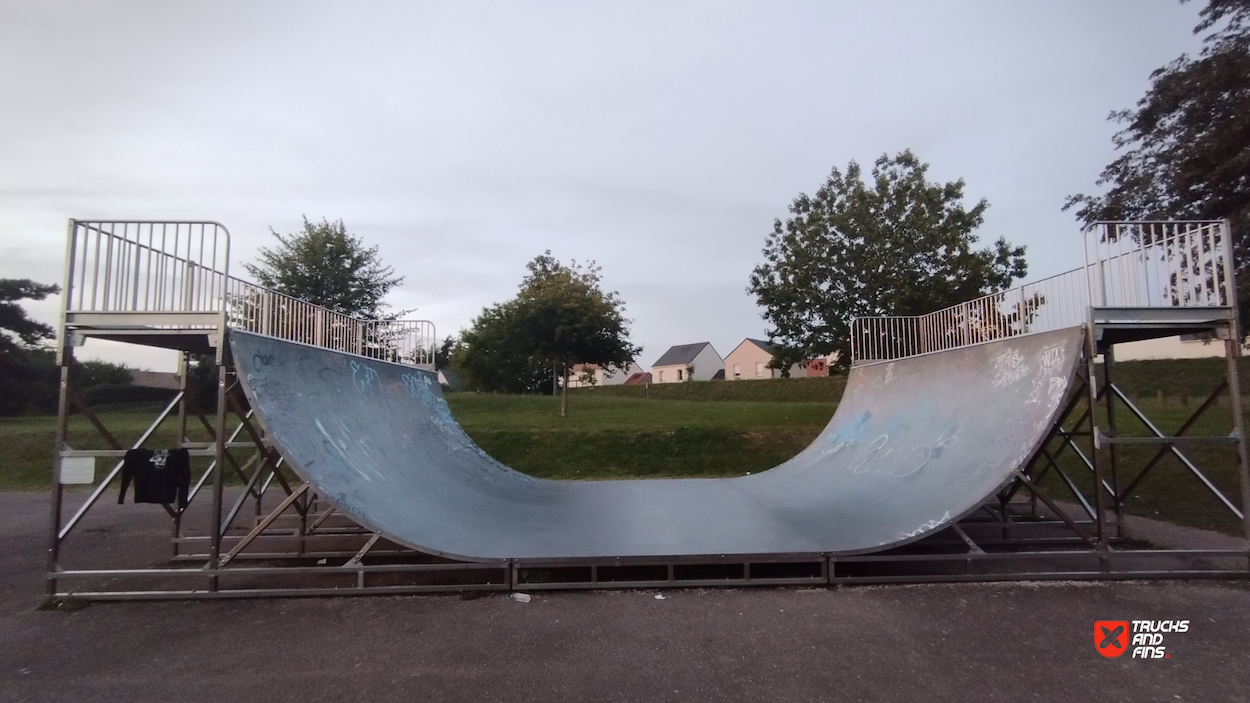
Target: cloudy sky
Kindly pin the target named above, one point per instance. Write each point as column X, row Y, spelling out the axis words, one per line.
column 659, row 138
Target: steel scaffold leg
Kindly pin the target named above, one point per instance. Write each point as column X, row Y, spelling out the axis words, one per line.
column 219, row 457
column 65, row 357
column 1231, row 352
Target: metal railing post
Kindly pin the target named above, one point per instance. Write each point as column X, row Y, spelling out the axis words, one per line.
column 58, row 490
column 219, row 469
column 184, row 386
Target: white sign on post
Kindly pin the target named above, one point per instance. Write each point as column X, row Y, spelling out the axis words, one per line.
column 77, row 470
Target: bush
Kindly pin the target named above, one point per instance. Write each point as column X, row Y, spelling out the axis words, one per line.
column 101, row 373
column 29, row 382
column 111, row 393
column 202, row 382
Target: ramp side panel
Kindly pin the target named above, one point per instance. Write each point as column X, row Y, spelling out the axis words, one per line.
column 914, row 444
column 921, row 442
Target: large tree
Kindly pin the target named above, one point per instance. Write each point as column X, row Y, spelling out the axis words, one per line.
column 326, row 265
column 560, row 317
column 894, row 245
column 1185, row 148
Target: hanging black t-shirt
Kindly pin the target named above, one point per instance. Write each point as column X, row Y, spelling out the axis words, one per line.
column 160, row 476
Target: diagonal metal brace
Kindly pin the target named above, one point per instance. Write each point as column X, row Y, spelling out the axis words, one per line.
column 264, row 524
column 1072, row 487
column 972, row 546
column 1055, row 508
column 355, row 561
column 1183, row 459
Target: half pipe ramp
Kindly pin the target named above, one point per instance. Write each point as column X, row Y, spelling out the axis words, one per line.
column 915, row 444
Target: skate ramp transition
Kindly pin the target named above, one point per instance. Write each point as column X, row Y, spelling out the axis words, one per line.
column 915, row 444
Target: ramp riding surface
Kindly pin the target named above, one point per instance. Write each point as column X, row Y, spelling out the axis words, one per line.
column 914, row 445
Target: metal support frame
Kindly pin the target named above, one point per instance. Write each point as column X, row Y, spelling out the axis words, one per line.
column 300, row 545
column 1100, row 403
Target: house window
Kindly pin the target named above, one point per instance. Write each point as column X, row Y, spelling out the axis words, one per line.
column 678, row 374
column 661, row 378
column 737, row 371
column 759, row 369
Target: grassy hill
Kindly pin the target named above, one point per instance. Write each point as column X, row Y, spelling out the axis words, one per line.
column 1172, row 377
column 608, row 436
column 1177, row 377
column 778, row 390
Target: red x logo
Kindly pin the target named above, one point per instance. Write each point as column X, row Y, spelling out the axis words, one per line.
column 1111, row 637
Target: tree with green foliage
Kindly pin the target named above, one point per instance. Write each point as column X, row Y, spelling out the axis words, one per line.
column 101, row 373
column 16, row 329
column 444, row 352
column 1185, row 149
column 493, row 354
column 894, row 245
column 561, row 317
column 28, row 375
column 327, row 266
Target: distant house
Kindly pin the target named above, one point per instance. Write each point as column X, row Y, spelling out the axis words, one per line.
column 638, row 379
column 579, row 374
column 675, row 364
column 750, row 359
column 1182, row 347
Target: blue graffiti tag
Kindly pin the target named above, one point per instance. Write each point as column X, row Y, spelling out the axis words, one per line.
column 365, row 378
column 420, row 387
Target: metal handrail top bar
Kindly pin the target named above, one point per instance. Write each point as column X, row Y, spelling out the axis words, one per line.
column 956, row 306
column 134, row 242
column 1134, row 264
column 130, row 267
column 1192, row 223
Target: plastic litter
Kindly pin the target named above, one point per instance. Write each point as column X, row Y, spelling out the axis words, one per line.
column 520, row 597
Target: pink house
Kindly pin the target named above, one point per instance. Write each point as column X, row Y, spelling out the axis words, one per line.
column 750, row 359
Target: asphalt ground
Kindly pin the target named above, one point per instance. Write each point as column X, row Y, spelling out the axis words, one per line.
column 966, row 642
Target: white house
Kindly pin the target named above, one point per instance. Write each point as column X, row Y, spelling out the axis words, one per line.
column 675, row 365
column 1186, row 347
column 579, row 374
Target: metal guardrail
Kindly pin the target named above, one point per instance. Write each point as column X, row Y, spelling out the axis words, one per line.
column 1041, row 306
column 1163, row 264
column 146, row 267
column 154, row 271
column 1185, row 264
column 256, row 309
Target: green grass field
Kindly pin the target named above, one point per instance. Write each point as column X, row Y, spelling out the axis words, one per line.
column 723, row 429
column 784, row 390
column 1169, row 491
column 607, row 437
column 27, row 441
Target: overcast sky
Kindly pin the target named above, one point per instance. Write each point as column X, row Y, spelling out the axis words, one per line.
column 660, row 139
